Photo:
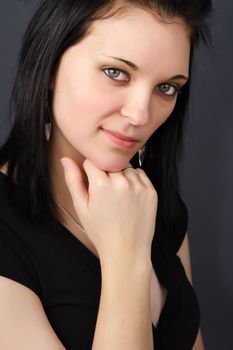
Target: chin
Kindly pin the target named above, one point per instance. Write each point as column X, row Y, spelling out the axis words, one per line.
column 112, row 167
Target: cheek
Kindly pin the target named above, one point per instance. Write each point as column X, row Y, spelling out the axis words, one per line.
column 81, row 109
column 86, row 101
column 161, row 111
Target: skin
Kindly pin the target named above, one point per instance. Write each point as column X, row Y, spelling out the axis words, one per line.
column 86, row 99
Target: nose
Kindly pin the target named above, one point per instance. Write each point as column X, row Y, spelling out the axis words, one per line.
column 137, row 108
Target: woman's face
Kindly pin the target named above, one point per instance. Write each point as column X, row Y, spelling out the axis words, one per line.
column 93, row 91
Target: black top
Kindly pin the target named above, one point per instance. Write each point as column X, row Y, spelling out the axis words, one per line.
column 66, row 276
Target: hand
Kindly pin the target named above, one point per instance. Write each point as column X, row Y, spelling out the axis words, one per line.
column 116, row 210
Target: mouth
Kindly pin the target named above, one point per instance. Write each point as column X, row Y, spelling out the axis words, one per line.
column 119, row 139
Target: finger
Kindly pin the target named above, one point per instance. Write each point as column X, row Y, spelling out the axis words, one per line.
column 144, row 178
column 75, row 183
column 132, row 174
column 127, row 174
column 129, row 171
column 94, row 174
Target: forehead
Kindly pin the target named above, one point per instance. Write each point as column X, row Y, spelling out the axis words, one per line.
column 138, row 36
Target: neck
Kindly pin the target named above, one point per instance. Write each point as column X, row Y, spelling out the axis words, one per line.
column 57, row 148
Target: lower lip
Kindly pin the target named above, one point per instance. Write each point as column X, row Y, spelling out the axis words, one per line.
column 120, row 142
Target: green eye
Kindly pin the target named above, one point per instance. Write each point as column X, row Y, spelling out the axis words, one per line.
column 168, row 89
column 116, row 74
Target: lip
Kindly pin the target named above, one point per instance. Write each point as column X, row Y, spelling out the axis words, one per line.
column 113, row 136
column 120, row 136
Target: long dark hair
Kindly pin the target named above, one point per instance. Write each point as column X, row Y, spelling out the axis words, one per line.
column 56, row 26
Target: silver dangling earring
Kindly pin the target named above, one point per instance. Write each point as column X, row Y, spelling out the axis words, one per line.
column 47, row 130
column 48, row 126
column 141, row 155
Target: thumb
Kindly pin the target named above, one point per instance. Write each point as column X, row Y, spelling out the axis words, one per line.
column 75, row 183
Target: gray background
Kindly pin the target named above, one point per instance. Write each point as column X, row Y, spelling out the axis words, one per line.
column 207, row 168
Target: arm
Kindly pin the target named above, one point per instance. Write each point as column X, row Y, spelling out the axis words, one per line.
column 23, row 322
column 184, row 255
column 124, row 319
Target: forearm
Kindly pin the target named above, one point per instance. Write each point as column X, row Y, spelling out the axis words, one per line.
column 124, row 318
column 199, row 343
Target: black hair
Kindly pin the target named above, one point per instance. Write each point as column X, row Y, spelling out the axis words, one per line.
column 56, row 26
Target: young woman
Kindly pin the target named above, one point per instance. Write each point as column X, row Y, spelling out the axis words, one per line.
column 93, row 232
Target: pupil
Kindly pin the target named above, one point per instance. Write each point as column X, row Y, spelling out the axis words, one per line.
column 164, row 87
column 114, row 73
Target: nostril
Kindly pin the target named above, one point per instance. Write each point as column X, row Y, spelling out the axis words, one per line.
column 137, row 117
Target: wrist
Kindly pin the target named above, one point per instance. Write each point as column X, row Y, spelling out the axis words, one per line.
column 122, row 265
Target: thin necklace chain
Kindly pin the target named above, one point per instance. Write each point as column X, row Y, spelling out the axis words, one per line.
column 68, row 214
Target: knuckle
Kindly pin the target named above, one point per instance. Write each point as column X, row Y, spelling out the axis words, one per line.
column 122, row 183
column 143, row 175
column 100, row 183
column 139, row 189
column 153, row 193
column 140, row 171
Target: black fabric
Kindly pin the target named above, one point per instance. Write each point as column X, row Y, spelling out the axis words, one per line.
column 66, row 276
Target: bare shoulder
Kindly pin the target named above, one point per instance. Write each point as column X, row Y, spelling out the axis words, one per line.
column 23, row 322
column 4, row 168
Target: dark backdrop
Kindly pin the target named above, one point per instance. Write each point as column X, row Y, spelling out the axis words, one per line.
column 207, row 168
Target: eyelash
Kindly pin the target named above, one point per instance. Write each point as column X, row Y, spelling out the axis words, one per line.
column 174, row 86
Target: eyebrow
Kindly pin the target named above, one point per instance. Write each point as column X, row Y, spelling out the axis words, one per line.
column 135, row 68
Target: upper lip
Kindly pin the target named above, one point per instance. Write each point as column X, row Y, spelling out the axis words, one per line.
column 120, row 136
